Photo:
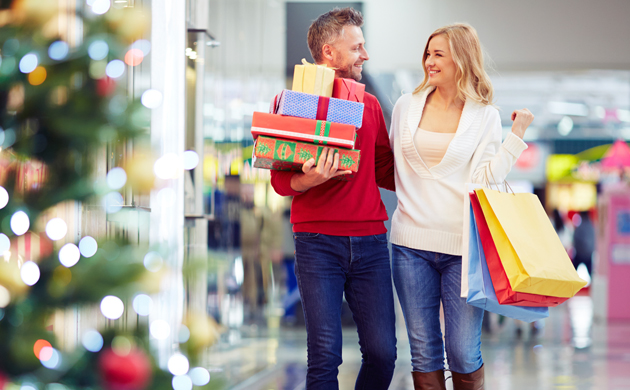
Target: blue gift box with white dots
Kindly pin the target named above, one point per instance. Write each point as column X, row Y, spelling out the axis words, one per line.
column 305, row 105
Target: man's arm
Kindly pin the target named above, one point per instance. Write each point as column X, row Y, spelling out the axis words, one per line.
column 293, row 184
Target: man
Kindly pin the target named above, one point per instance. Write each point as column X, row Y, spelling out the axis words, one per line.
column 340, row 238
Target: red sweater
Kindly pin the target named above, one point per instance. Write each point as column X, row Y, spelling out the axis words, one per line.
column 347, row 208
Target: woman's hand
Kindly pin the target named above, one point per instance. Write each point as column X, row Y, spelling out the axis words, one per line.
column 522, row 119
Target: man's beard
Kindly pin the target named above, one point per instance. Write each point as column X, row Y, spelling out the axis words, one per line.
column 345, row 72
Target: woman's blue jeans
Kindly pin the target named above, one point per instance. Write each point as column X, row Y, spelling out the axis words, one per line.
column 422, row 280
column 327, row 267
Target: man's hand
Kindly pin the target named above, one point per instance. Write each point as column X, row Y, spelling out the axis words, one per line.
column 327, row 168
column 522, row 119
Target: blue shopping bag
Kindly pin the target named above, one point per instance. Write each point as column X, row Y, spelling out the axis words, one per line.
column 480, row 290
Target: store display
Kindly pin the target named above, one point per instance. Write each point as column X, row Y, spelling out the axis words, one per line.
column 314, row 79
column 348, row 89
column 305, row 130
column 305, row 105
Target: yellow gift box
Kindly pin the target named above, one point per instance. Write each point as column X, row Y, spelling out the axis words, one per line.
column 313, row 79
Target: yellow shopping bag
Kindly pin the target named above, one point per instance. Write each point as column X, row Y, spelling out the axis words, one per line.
column 531, row 252
column 313, row 79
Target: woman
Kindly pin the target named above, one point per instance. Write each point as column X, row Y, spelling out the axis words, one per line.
column 444, row 135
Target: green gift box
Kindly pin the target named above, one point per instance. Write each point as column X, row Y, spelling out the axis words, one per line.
column 285, row 155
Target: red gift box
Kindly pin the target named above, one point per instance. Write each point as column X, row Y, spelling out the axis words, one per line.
column 500, row 282
column 305, row 130
column 348, row 89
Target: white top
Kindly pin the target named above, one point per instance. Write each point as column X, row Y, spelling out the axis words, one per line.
column 432, row 207
column 431, row 146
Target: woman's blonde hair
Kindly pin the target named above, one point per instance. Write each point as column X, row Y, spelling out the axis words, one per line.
column 472, row 80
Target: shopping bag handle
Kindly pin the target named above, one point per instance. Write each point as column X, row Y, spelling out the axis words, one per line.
column 507, row 185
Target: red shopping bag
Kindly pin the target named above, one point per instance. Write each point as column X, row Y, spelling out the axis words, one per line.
column 505, row 294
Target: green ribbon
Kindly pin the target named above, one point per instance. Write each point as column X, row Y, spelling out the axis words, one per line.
column 322, row 129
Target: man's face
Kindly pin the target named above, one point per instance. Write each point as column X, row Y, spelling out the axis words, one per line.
column 348, row 54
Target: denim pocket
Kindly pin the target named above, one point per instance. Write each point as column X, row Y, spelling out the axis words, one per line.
column 381, row 237
column 304, row 235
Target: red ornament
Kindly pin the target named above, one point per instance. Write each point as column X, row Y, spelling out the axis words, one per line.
column 128, row 372
column 3, row 381
column 105, row 86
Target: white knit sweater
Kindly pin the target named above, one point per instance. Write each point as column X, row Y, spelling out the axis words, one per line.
column 431, row 212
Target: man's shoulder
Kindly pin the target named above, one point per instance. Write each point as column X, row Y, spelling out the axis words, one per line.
column 371, row 102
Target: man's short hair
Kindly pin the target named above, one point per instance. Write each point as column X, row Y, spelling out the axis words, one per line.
column 328, row 27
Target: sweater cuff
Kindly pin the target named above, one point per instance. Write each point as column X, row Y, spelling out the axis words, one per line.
column 514, row 145
column 281, row 182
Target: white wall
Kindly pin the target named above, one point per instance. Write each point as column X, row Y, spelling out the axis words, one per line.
column 518, row 35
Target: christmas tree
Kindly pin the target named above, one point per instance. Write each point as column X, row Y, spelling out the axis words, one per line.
column 60, row 104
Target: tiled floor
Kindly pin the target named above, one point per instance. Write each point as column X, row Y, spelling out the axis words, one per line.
column 569, row 352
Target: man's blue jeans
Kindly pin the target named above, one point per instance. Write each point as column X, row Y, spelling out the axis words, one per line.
column 422, row 279
column 327, row 267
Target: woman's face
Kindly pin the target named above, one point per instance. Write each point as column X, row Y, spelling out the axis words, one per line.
column 439, row 63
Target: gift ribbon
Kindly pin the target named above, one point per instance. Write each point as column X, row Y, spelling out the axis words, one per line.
column 322, row 108
column 322, row 129
column 352, row 91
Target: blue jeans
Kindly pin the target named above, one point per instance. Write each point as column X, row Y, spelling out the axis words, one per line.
column 327, row 267
column 422, row 279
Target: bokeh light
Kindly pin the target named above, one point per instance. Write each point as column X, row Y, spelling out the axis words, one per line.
column 115, row 69
column 37, row 347
column 97, row 69
column 27, row 386
column 143, row 45
column 4, row 195
column 112, row 202
column 98, row 50
column 20, row 223
column 29, row 273
column 58, row 50
column 56, row 229
column 112, row 307
column 153, row 261
column 5, row 297
column 160, row 329
column 53, row 361
column 99, row 7
column 28, row 63
column 116, row 178
column 178, row 364
column 134, row 57
column 199, row 376
column 5, row 243
column 69, row 255
column 167, row 166
column 8, row 65
column 92, row 340
column 184, row 334
column 121, row 345
column 191, row 159
column 88, row 246
column 151, row 98
column 38, row 76
column 142, row 304
column 182, row 382
column 10, row 47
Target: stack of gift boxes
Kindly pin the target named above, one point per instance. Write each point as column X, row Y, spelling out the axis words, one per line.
column 319, row 111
